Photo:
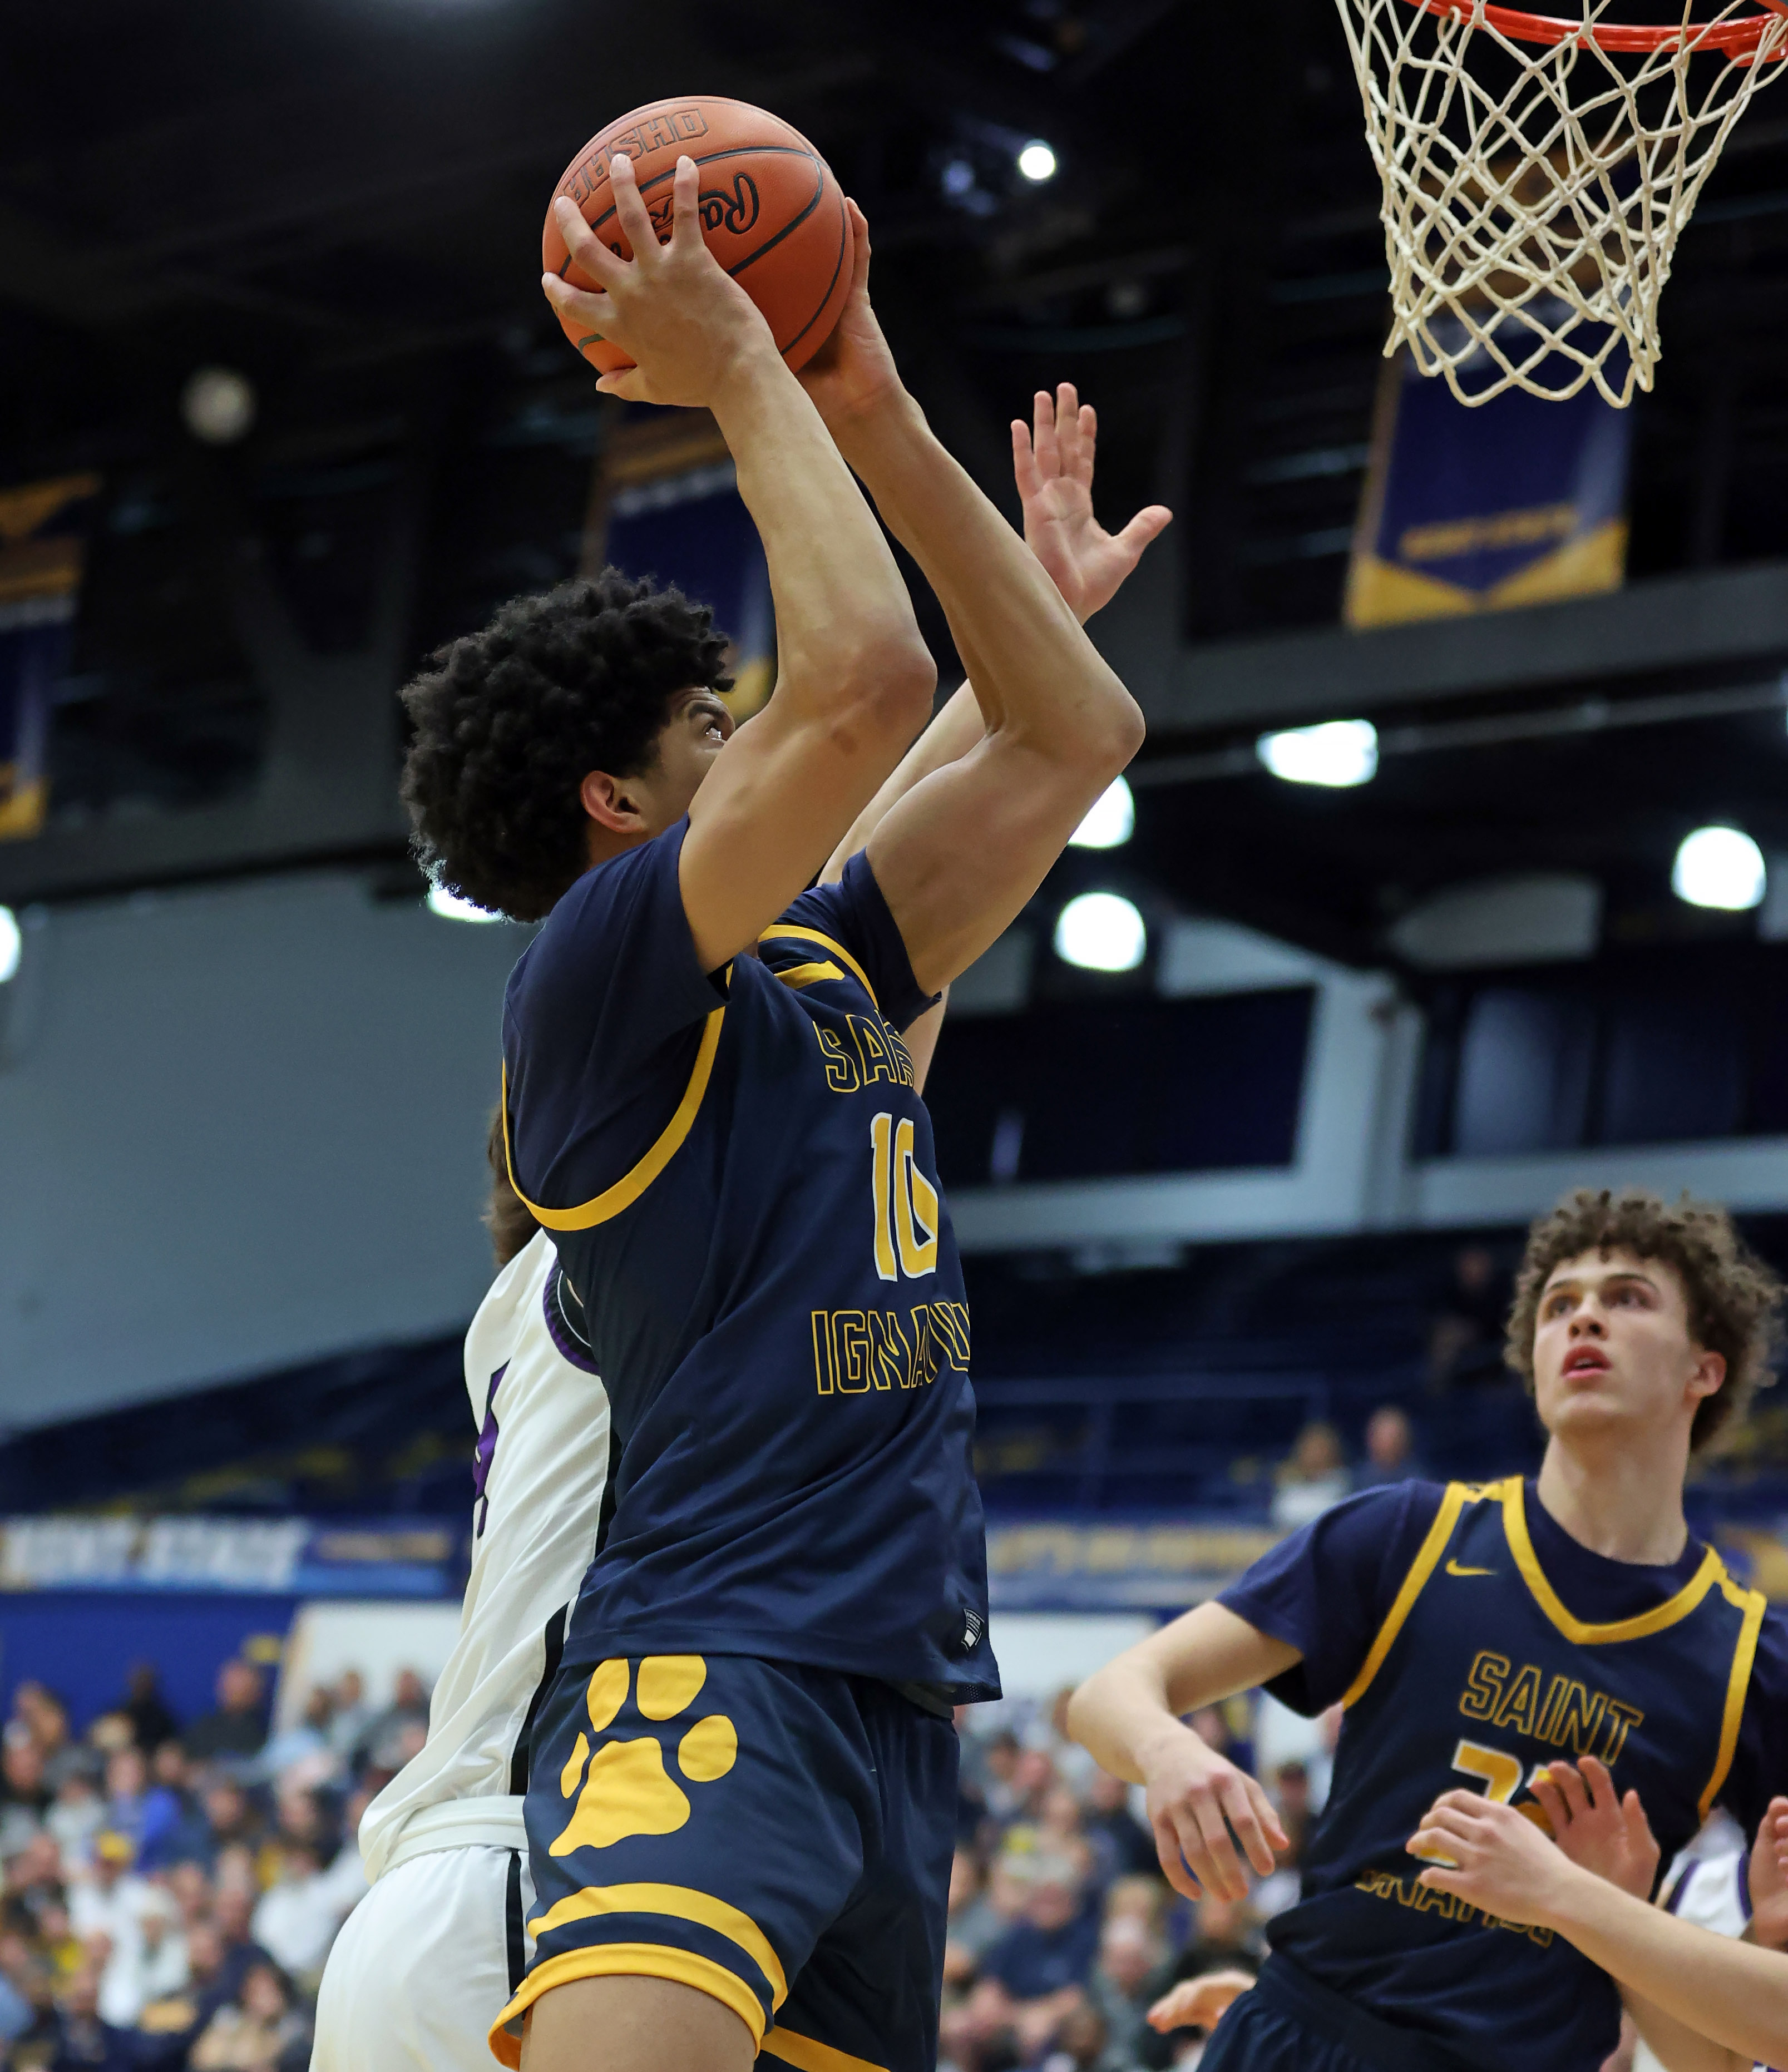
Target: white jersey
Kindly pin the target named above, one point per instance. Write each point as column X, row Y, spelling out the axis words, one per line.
column 1712, row 1891
column 541, row 1467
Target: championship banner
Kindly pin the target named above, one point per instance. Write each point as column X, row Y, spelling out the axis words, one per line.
column 43, row 556
column 667, row 506
column 1517, row 501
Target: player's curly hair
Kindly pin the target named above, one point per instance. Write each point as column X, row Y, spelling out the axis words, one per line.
column 510, row 721
column 1734, row 1298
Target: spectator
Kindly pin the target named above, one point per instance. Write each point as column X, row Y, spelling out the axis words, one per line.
column 1390, row 1449
column 108, row 1905
column 1037, row 1970
column 236, row 1726
column 232, row 1817
column 127, row 1795
column 46, row 1719
column 350, row 1718
column 1126, row 1845
column 151, row 1722
column 1123, row 1981
column 260, row 2030
column 305, row 1741
column 78, row 1814
column 82, row 2041
column 398, row 1733
column 971, row 1924
column 25, row 1794
column 1082, row 2045
column 1314, row 1478
column 175, row 1830
column 1464, row 1341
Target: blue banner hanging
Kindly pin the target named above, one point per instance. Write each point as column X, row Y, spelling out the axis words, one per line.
column 43, row 556
column 1518, row 501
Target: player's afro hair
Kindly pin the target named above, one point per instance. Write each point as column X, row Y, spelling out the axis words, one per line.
column 1734, row 1299
column 510, row 721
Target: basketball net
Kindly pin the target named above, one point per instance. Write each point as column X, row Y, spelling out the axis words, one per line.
column 1537, row 172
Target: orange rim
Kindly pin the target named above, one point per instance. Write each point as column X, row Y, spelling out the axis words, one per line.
column 1734, row 38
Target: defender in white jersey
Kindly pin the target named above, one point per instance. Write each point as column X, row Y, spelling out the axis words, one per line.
column 438, row 1945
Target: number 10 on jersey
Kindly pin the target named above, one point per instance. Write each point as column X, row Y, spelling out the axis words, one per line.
column 905, row 1202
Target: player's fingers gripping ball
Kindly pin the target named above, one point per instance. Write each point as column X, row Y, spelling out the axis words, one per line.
column 771, row 213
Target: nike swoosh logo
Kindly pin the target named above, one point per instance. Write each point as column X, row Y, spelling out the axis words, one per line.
column 1452, row 1568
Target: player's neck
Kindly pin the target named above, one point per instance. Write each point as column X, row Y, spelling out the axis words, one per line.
column 1620, row 1500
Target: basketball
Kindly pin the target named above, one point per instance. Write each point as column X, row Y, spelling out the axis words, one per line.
column 771, row 213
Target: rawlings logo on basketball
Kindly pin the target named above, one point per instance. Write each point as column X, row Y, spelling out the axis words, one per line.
column 667, row 128
column 735, row 212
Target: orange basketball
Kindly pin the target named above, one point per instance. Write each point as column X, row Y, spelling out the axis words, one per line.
column 771, row 213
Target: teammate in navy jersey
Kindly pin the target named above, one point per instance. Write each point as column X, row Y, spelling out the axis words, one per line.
column 742, row 1788
column 1474, row 1634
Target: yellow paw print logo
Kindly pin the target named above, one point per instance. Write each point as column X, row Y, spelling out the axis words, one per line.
column 627, row 1789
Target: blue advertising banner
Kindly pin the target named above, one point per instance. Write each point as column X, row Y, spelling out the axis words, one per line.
column 674, row 512
column 1518, row 501
column 300, row 1557
column 43, row 556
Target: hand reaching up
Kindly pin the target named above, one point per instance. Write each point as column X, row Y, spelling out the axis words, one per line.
column 1595, row 1828
column 1053, row 460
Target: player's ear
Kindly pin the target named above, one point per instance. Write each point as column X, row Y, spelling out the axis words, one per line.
column 609, row 803
column 1707, row 1375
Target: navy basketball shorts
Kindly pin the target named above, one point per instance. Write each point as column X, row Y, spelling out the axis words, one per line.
column 1291, row 2022
column 779, row 1837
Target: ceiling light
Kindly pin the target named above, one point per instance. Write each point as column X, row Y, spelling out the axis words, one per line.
column 1719, row 867
column 1110, row 821
column 11, row 943
column 1037, row 162
column 1339, row 752
column 958, row 177
column 451, row 908
column 1101, row 931
column 218, row 406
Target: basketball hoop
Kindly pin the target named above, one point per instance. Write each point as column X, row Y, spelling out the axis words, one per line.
column 1537, row 172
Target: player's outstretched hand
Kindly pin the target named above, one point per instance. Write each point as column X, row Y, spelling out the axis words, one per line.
column 672, row 307
column 1199, row 2003
column 1769, row 1871
column 1053, row 460
column 853, row 373
column 1195, row 1798
column 1491, row 1856
column 1595, row 1828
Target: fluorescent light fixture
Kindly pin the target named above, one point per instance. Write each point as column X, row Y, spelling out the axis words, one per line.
column 1037, row 162
column 1719, row 867
column 11, row 944
column 451, row 908
column 1110, row 821
column 1338, row 753
column 1101, row 931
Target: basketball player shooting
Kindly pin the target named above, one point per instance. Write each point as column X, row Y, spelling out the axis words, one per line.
column 743, row 1791
column 1474, row 1635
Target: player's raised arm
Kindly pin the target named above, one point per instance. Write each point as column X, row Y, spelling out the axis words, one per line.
column 1130, row 1715
column 957, row 858
column 856, row 680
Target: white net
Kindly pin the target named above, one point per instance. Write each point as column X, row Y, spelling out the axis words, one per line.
column 1535, row 190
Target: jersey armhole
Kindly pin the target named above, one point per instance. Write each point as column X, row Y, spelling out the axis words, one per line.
column 1427, row 1557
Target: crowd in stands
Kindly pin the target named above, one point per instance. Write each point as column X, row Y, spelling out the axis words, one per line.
column 1067, row 1951
column 172, row 1889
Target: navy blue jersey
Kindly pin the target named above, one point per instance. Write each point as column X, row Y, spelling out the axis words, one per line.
column 1478, row 1671
column 740, row 1180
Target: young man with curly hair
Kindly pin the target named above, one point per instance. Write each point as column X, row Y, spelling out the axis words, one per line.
column 741, row 1789
column 1475, row 1635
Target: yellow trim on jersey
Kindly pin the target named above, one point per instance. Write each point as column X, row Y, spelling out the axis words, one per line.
column 625, row 1960
column 799, row 976
column 807, row 2056
column 1737, row 1684
column 1432, row 1548
column 1581, row 1631
column 627, row 1189
column 782, row 929
column 682, row 1902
